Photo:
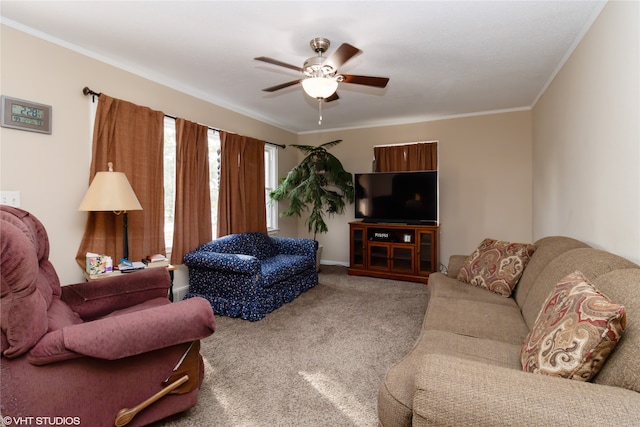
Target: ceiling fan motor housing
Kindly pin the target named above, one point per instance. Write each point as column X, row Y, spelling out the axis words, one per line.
column 314, row 67
column 320, row 45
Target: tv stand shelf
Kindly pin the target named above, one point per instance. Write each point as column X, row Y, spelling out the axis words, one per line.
column 393, row 251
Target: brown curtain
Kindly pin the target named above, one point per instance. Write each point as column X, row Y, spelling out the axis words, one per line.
column 192, row 217
column 408, row 157
column 241, row 200
column 132, row 138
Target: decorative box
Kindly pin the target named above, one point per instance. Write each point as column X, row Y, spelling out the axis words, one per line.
column 98, row 264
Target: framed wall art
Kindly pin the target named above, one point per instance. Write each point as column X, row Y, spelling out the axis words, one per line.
column 25, row 115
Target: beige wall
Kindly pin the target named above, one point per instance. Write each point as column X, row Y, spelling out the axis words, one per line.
column 569, row 167
column 485, row 178
column 52, row 171
column 479, row 156
column 586, row 138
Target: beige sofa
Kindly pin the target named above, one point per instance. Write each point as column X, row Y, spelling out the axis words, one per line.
column 465, row 368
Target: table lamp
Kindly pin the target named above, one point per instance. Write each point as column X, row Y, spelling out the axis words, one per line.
column 111, row 191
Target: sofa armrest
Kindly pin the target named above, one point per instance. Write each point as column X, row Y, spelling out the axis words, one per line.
column 101, row 297
column 455, row 264
column 236, row 263
column 129, row 334
column 454, row 391
column 295, row 246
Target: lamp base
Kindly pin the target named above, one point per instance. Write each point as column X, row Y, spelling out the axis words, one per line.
column 125, row 236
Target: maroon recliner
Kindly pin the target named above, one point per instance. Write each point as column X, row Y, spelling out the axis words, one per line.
column 103, row 353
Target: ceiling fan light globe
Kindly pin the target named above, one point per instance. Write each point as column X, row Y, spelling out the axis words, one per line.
column 320, row 87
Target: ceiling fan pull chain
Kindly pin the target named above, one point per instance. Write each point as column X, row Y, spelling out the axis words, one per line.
column 319, row 112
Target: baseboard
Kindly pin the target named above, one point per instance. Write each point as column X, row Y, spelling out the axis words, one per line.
column 329, row 262
column 180, row 293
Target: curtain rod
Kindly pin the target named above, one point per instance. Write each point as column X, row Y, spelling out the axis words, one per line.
column 86, row 91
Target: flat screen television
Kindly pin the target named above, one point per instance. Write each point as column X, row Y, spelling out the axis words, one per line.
column 407, row 197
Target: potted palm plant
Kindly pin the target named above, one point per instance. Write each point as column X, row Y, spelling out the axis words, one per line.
column 318, row 183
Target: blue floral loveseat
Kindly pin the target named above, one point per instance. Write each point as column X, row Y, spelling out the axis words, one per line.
column 251, row 274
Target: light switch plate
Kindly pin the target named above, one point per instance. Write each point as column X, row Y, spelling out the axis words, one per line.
column 11, row 198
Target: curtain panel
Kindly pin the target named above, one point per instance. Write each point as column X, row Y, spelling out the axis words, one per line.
column 132, row 138
column 192, row 215
column 407, row 157
column 242, row 199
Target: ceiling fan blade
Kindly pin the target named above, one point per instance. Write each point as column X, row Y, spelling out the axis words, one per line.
column 366, row 80
column 281, row 86
column 332, row 97
column 344, row 53
column 276, row 62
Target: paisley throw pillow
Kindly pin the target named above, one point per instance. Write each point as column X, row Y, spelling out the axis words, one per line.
column 575, row 331
column 496, row 265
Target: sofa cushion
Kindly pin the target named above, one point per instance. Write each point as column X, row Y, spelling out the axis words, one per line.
column 395, row 396
column 491, row 352
column 479, row 319
column 591, row 262
column 281, row 267
column 496, row 265
column 621, row 369
column 258, row 245
column 453, row 391
column 255, row 244
column 576, row 330
column 60, row 315
column 443, row 286
column 24, row 304
column 547, row 249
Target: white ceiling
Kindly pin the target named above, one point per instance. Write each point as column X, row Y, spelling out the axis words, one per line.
column 443, row 58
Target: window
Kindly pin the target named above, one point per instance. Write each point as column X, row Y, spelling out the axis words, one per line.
column 169, row 180
column 270, row 184
column 271, row 169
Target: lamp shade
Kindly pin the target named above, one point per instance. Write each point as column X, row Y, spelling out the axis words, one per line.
column 319, row 87
column 110, row 191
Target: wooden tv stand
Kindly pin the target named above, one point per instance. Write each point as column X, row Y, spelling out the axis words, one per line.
column 393, row 251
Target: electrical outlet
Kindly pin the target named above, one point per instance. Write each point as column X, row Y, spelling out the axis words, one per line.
column 11, row 198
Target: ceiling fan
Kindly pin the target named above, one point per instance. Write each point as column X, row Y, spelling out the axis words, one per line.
column 321, row 75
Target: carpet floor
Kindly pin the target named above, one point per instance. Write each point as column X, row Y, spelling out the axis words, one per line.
column 316, row 361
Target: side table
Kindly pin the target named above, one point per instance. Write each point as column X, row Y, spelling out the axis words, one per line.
column 91, row 278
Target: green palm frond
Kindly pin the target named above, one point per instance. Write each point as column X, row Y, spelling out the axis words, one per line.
column 330, row 144
column 318, row 183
